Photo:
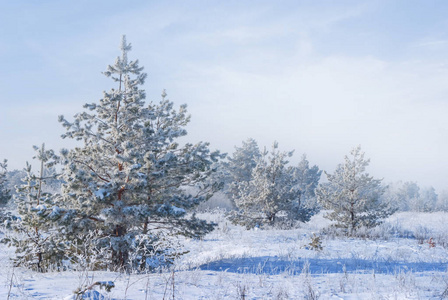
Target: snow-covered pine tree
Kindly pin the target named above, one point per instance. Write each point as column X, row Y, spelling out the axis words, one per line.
column 35, row 234
column 244, row 160
column 427, row 200
column 390, row 195
column 408, row 196
column 239, row 166
column 352, row 195
column 127, row 181
column 305, row 205
column 271, row 189
column 5, row 192
column 442, row 201
column 14, row 178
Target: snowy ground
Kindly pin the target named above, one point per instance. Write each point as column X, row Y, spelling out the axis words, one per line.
column 395, row 261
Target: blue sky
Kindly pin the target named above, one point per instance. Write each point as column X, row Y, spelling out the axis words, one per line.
column 317, row 76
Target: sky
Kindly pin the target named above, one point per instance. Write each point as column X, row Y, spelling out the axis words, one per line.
column 320, row 77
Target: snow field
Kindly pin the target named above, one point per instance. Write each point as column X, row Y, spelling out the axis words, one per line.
column 234, row 263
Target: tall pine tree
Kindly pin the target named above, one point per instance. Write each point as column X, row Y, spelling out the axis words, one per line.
column 126, row 183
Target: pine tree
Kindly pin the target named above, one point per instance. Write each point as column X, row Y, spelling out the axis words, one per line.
column 271, row 189
column 239, row 167
column 442, row 201
column 34, row 238
column 304, row 206
column 14, row 178
column 5, row 193
column 427, row 200
column 352, row 195
column 244, row 160
column 408, row 196
column 126, row 183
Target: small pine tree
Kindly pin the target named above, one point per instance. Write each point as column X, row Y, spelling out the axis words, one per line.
column 271, row 190
column 35, row 241
column 442, row 201
column 352, row 195
column 408, row 195
column 14, row 179
column 427, row 200
column 307, row 179
column 127, row 181
column 5, row 192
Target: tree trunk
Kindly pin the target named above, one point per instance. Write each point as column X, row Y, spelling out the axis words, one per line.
column 143, row 260
column 271, row 218
column 352, row 218
column 119, row 257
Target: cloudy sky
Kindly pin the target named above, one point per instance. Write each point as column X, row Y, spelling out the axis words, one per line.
column 319, row 77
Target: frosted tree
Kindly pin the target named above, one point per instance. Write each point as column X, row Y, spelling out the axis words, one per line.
column 244, row 160
column 271, row 189
column 307, row 178
column 352, row 196
column 408, row 196
column 442, row 201
column 5, row 192
column 126, row 183
column 427, row 200
column 14, row 178
column 35, row 243
column 392, row 198
column 239, row 166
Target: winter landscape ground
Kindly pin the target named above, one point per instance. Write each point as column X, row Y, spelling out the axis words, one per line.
column 404, row 258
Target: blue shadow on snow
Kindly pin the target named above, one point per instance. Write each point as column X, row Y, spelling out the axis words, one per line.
column 275, row 265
